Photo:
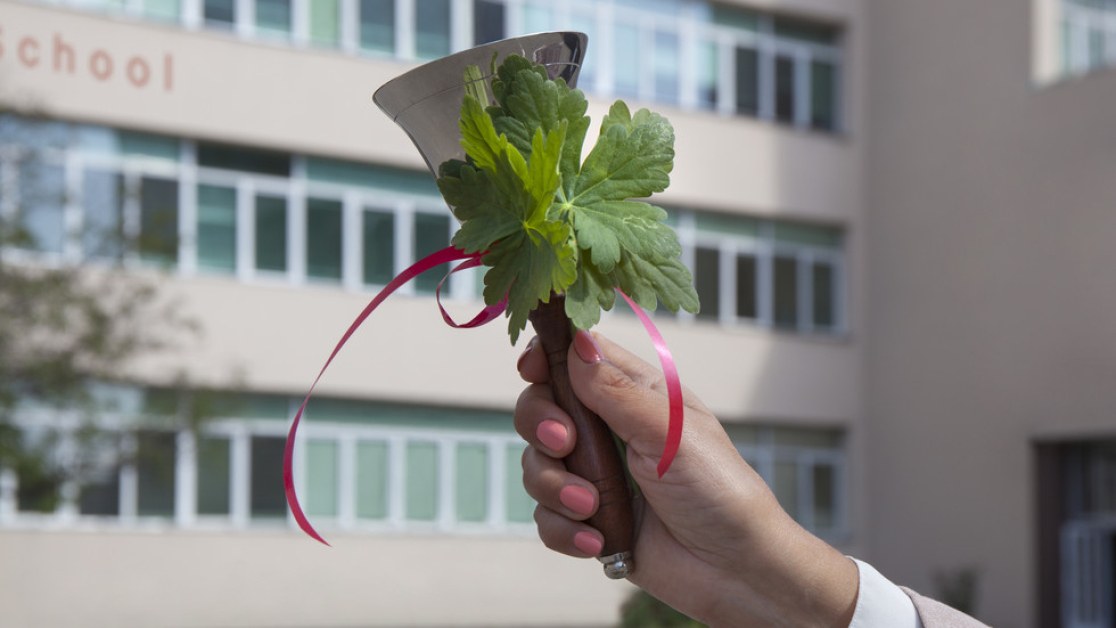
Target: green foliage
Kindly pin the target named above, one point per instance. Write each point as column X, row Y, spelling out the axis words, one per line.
column 552, row 224
column 643, row 611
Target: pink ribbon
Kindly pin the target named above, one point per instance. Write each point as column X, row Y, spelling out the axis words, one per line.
column 673, row 382
column 487, row 315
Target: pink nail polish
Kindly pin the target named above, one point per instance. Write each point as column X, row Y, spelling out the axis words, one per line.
column 588, row 542
column 552, row 434
column 586, row 347
column 577, row 498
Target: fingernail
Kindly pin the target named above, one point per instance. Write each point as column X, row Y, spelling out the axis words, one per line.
column 523, row 356
column 586, row 347
column 588, row 543
column 552, row 434
column 576, row 498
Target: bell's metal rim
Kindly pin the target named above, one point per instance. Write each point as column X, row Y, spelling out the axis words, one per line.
column 387, row 96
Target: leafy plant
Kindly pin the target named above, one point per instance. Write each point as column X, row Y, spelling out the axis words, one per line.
column 551, row 223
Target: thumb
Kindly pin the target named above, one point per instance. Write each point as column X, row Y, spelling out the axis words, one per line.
column 626, row 392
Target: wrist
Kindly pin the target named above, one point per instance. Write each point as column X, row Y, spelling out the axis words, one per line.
column 790, row 578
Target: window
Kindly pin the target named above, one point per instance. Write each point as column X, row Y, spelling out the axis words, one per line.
column 432, row 28
column 271, row 233
column 158, row 237
column 377, row 26
column 774, row 273
column 488, row 21
column 358, row 465
column 803, row 466
column 266, row 497
column 216, row 230
column 1088, row 35
column 323, row 239
column 273, row 17
column 432, row 233
column 220, row 13
column 378, row 246
column 325, row 22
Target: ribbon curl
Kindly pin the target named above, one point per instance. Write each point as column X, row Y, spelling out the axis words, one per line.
column 487, row 315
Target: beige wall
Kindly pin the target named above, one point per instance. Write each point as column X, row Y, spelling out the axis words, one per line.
column 990, row 293
column 93, row 579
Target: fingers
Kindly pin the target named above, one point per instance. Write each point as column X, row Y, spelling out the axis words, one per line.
column 541, row 423
column 556, row 489
column 622, row 389
column 568, row 537
column 532, row 365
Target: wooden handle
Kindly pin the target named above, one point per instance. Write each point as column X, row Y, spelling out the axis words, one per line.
column 595, row 456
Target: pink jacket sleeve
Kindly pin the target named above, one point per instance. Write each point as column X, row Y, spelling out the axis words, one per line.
column 934, row 614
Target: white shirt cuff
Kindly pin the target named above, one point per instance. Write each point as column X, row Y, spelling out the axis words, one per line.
column 880, row 603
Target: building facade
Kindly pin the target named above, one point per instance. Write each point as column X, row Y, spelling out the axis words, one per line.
column 842, row 187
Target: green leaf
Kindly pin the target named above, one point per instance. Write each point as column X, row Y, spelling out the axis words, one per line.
column 551, row 224
column 528, row 266
column 626, row 241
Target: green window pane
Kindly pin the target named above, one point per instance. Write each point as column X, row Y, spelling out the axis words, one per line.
column 377, row 25
column 807, row 437
column 823, row 96
column 735, row 17
column 471, row 482
column 825, row 491
column 432, row 28
column 102, row 200
column 323, row 238
column 325, row 22
column 784, row 89
column 100, row 493
column 431, row 234
column 158, row 241
column 379, row 246
column 708, row 74
column 168, row 10
column 808, row 32
column 267, row 499
column 792, row 233
column 519, row 508
column 271, row 233
column 586, row 23
column 216, row 228
column 746, row 286
column 786, row 292
column 665, row 61
column 133, row 144
column 380, row 178
column 823, row 292
column 626, row 53
column 321, row 478
column 422, row 481
column 371, row 482
column 274, row 16
column 155, row 456
column 785, row 487
column 488, row 21
column 537, row 19
column 214, row 470
column 42, row 190
column 707, row 281
column 747, row 81
column 722, row 224
column 220, row 13
column 259, row 161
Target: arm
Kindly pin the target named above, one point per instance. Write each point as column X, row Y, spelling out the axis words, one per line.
column 711, row 539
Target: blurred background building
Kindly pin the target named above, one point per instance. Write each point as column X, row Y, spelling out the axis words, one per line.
column 899, row 216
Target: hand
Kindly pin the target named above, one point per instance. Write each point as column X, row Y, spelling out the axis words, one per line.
column 711, row 539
